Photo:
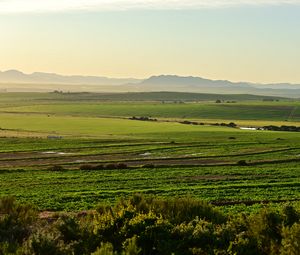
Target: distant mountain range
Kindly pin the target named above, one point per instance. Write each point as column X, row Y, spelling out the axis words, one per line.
column 14, row 80
column 15, row 76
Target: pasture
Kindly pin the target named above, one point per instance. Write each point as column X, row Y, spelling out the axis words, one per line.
column 275, row 111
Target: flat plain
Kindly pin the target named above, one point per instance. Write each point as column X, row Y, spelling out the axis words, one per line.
column 226, row 166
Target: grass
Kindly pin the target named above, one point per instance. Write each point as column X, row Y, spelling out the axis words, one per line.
column 239, row 111
column 131, row 96
column 184, row 105
column 87, row 126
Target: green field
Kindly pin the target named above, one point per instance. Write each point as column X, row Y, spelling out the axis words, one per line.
column 239, row 108
column 209, row 110
column 225, row 166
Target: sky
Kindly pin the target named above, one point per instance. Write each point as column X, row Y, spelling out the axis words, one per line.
column 237, row 40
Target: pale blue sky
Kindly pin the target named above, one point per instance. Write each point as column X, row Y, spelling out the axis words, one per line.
column 257, row 43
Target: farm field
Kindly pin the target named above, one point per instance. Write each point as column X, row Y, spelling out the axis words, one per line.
column 228, row 167
column 276, row 111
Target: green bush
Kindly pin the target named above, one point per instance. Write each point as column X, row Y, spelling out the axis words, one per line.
column 111, row 166
column 86, row 167
column 178, row 209
column 56, row 168
column 105, row 249
column 99, row 167
column 291, row 240
column 16, row 222
column 43, row 243
column 122, row 166
column 242, row 163
column 149, row 225
column 149, row 165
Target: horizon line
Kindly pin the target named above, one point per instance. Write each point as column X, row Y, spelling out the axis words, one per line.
column 150, row 76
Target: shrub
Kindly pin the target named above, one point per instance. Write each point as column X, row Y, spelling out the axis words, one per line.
column 232, row 124
column 177, row 209
column 290, row 215
column 150, row 165
column 122, row 166
column 43, row 243
column 130, row 247
column 86, row 167
column 291, row 240
column 69, row 229
column 111, row 166
column 149, row 225
column 99, row 167
column 15, row 224
column 56, row 168
column 242, row 163
column 105, row 249
column 77, row 232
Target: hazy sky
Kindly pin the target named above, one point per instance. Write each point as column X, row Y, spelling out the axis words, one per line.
column 256, row 41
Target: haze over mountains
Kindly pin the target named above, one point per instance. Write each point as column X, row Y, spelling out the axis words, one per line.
column 15, row 76
column 14, row 80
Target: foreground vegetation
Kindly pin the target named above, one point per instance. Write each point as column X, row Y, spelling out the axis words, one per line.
column 142, row 225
